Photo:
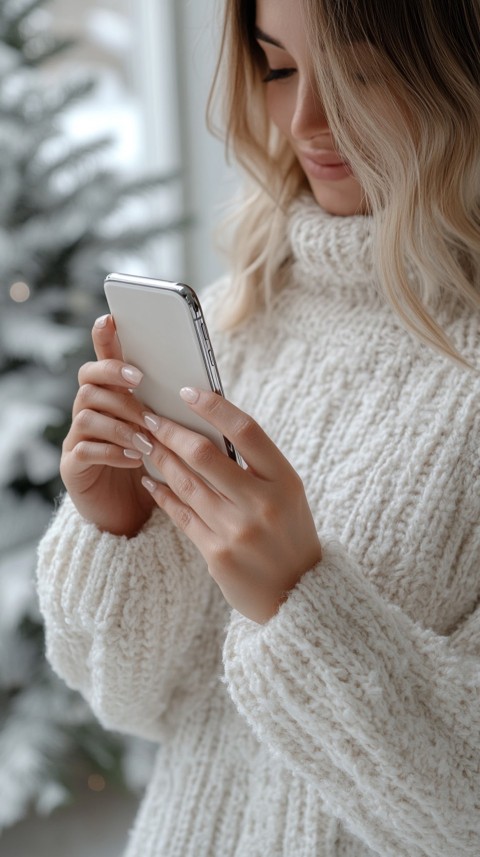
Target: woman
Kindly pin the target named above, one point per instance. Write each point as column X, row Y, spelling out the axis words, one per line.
column 337, row 576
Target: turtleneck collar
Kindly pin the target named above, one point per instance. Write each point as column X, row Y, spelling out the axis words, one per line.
column 331, row 250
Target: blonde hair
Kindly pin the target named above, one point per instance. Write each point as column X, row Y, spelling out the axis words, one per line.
column 420, row 161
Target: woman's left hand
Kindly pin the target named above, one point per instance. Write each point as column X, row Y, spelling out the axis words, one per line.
column 253, row 526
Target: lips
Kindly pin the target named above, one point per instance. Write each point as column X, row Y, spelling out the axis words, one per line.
column 323, row 158
column 322, row 165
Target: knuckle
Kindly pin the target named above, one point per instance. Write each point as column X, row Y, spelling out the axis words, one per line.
column 213, row 403
column 202, row 452
column 109, row 453
column 81, row 451
column 83, row 420
column 298, row 487
column 111, row 367
column 84, row 370
column 246, row 429
column 121, row 433
column 159, row 456
column 268, row 511
column 294, row 485
column 221, row 557
column 185, row 487
column 183, row 517
column 86, row 394
column 248, row 531
column 166, row 433
column 265, row 512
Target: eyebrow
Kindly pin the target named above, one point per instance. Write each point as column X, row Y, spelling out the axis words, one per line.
column 264, row 37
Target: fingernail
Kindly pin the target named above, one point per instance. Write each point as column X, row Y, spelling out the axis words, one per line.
column 152, row 422
column 149, row 484
column 142, row 443
column 101, row 322
column 134, row 376
column 132, row 453
column 190, row 395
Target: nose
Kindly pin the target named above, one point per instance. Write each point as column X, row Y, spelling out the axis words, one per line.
column 308, row 118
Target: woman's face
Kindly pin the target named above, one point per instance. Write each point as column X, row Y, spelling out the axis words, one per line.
column 294, row 107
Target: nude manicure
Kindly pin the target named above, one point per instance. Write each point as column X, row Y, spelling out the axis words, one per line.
column 149, row 484
column 132, row 453
column 190, row 394
column 132, row 375
column 152, row 422
column 142, row 443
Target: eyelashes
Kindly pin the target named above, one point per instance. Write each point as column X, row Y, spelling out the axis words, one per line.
column 278, row 74
column 283, row 73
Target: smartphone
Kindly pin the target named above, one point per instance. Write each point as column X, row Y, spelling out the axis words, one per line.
column 162, row 331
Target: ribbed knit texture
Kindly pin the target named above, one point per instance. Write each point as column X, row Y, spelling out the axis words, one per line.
column 349, row 724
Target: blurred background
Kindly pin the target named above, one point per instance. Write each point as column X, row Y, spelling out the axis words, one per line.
column 105, row 164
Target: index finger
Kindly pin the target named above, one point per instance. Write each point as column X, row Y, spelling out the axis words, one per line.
column 253, row 444
column 105, row 339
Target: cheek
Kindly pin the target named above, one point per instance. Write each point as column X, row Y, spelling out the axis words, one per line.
column 279, row 108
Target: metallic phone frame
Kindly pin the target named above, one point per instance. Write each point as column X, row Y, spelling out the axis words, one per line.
column 189, row 296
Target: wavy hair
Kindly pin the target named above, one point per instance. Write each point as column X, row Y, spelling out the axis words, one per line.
column 400, row 88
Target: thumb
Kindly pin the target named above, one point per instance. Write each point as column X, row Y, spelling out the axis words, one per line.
column 105, row 339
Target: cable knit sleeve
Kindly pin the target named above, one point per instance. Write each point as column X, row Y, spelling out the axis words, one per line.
column 379, row 713
column 123, row 617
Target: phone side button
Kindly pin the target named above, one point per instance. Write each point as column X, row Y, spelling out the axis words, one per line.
column 212, row 361
column 204, row 331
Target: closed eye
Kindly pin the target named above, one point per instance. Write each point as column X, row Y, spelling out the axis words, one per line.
column 278, row 74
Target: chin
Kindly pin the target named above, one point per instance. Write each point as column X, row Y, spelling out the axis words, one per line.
column 344, row 198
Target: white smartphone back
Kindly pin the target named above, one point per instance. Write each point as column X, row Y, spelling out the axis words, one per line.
column 162, row 331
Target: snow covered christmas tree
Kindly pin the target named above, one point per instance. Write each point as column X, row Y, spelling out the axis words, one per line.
column 57, row 241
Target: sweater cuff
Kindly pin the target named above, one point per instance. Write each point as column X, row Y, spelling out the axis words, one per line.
column 73, row 557
column 302, row 607
column 331, row 622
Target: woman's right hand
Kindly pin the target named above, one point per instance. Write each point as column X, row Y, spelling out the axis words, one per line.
column 101, row 464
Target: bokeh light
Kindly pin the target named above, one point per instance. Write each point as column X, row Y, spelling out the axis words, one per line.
column 19, row 292
column 96, row 783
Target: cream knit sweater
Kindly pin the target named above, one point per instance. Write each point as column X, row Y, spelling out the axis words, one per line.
column 349, row 724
